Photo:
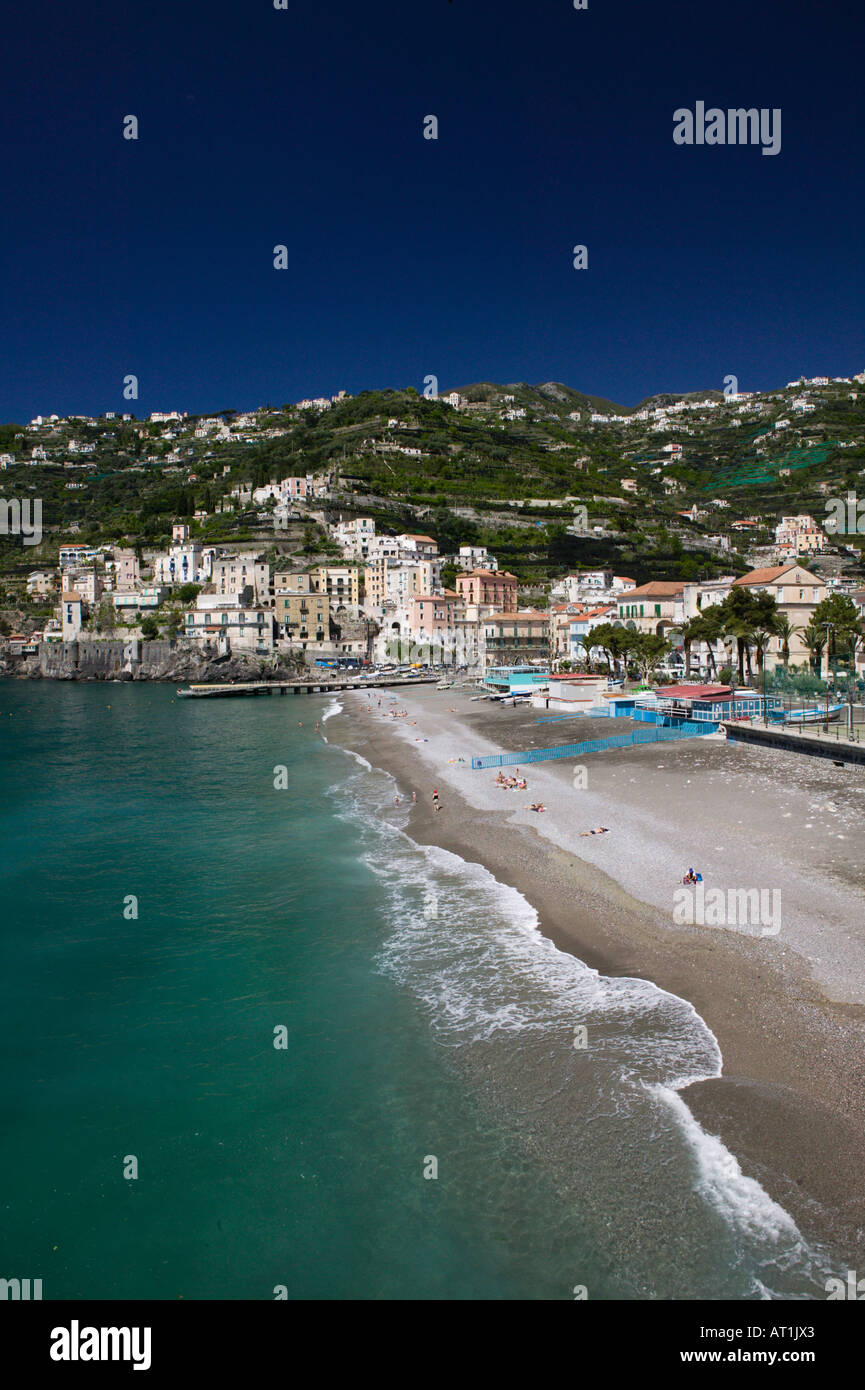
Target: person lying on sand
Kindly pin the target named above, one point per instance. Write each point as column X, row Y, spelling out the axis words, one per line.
column 539, row 806
column 601, row 830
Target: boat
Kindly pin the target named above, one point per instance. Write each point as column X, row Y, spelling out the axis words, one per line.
column 814, row 716
column 818, row 715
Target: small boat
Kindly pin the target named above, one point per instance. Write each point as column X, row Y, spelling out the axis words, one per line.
column 813, row 716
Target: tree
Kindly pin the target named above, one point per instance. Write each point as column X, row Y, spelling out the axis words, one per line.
column 741, row 614
column 703, row 627
column 814, row 639
column 149, row 627
column 106, row 616
column 845, row 625
column 760, row 639
column 449, row 576
column 610, row 639
column 649, row 651
column 785, row 630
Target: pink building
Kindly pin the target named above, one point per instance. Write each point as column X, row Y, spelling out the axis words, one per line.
column 432, row 617
column 488, row 586
column 294, row 487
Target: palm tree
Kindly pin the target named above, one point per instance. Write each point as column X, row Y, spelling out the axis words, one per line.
column 814, row 639
column 737, row 629
column 760, row 639
column 691, row 632
column 785, row 630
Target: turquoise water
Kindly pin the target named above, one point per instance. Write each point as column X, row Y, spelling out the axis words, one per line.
column 425, row 1018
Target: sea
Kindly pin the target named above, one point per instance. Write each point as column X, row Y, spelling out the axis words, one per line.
column 259, row 1044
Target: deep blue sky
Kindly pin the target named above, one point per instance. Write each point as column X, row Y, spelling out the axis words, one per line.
column 408, row 256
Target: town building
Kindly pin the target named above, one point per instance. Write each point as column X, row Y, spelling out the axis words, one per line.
column 654, row 607
column 303, row 616
column 472, row 557
column 497, row 587
column 800, row 535
column 247, row 629
column 71, row 615
column 515, row 638
column 232, row 574
column 797, row 593
column 340, row 582
column 432, row 623
column 41, row 583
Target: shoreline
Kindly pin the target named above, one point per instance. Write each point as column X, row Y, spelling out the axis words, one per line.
column 790, row 1102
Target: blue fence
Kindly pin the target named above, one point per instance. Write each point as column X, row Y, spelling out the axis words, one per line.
column 595, row 745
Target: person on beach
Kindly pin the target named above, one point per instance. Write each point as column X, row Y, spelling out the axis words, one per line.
column 539, row 806
column 414, row 796
column 601, row 830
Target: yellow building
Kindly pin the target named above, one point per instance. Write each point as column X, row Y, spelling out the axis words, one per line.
column 303, row 617
column 340, row 582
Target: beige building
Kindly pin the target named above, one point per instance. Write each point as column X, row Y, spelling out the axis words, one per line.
column 231, row 574
column 394, row 581
column 126, row 569
column 654, row 607
column 510, row 639
column 41, row 583
column 797, row 593
column 341, row 583
column 292, row 581
column 87, row 584
column 800, row 535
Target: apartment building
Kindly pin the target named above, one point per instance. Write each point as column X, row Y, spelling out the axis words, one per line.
column 231, row 574
column 341, row 583
column 514, row 638
column 303, row 617
column 797, row 593
column 654, row 607
column 488, row 586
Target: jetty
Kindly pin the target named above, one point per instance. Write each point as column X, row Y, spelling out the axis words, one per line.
column 297, row 687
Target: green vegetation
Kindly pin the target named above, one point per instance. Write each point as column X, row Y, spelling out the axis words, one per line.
column 510, row 472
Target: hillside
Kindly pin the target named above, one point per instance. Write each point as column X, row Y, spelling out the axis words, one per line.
column 510, row 467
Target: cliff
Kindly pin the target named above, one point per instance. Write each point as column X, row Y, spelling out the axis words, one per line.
column 161, row 660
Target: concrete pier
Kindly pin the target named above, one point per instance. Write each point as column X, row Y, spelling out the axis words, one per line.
column 837, row 749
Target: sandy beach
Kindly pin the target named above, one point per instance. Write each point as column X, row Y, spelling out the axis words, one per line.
column 787, row 1006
